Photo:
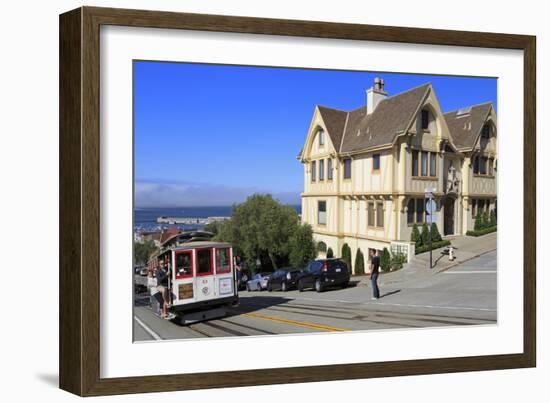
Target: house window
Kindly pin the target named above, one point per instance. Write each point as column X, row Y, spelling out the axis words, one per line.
column 483, row 165
column 322, row 212
column 313, row 171
column 476, row 165
column 474, row 208
column 491, row 167
column 424, row 164
column 329, row 169
column 410, row 212
column 415, row 163
column 433, row 164
column 321, row 134
column 481, row 206
column 425, row 119
column 370, row 214
column 347, row 168
column 419, row 210
column 321, row 170
column 486, row 132
column 376, row 162
column 379, row 214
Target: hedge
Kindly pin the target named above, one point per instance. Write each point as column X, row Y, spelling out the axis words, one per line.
column 435, row 245
column 483, row 231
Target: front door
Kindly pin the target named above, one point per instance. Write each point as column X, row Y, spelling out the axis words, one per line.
column 449, row 216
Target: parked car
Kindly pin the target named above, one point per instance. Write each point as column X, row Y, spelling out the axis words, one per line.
column 140, row 270
column 283, row 279
column 258, row 282
column 324, row 273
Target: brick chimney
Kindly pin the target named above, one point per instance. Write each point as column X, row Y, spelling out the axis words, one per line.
column 375, row 95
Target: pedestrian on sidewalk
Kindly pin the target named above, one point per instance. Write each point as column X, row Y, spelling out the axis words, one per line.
column 374, row 270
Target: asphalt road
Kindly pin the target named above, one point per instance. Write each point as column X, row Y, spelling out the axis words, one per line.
column 463, row 295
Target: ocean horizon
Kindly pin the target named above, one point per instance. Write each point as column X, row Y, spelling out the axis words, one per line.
column 146, row 217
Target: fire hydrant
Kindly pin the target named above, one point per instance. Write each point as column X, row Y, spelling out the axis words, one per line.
column 451, row 253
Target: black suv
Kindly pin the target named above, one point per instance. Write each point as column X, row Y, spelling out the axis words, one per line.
column 323, row 273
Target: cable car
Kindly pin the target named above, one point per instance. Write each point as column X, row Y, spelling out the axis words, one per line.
column 201, row 280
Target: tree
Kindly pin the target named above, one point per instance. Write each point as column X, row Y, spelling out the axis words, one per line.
column 385, row 260
column 359, row 262
column 346, row 255
column 302, row 246
column 321, row 246
column 214, row 227
column 436, row 236
column 415, row 236
column 425, row 236
column 143, row 251
column 259, row 226
column 330, row 253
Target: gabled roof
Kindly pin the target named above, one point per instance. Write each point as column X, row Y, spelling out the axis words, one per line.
column 465, row 127
column 361, row 131
column 335, row 121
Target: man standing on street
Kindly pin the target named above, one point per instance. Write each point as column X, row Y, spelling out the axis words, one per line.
column 374, row 269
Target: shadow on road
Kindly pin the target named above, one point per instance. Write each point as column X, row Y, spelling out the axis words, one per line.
column 389, row 293
column 256, row 303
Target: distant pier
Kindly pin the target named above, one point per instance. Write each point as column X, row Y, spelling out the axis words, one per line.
column 190, row 220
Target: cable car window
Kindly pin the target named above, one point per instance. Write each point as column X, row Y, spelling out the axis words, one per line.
column 204, row 262
column 223, row 261
column 184, row 264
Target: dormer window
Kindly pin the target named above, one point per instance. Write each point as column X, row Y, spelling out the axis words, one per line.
column 321, row 135
column 425, row 119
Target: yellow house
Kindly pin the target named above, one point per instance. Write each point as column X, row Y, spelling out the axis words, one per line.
column 366, row 171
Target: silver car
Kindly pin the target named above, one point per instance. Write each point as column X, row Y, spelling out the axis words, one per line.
column 258, row 282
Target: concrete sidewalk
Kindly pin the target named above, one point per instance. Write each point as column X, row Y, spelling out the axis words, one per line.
column 466, row 248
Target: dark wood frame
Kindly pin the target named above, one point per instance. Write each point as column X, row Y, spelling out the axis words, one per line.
column 79, row 200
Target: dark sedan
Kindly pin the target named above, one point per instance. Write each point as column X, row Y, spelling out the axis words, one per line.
column 283, row 279
column 324, row 273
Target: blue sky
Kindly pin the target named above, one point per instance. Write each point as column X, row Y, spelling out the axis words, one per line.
column 210, row 135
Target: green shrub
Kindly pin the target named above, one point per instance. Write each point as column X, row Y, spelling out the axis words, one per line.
column 482, row 231
column 385, row 260
column 479, row 222
column 330, row 253
column 435, row 245
column 398, row 259
column 425, row 236
column 346, row 256
column 436, row 236
column 415, row 236
column 485, row 220
column 359, row 262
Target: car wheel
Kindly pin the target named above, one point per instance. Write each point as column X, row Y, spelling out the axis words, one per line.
column 259, row 287
column 269, row 288
column 300, row 286
column 318, row 285
column 283, row 287
column 345, row 285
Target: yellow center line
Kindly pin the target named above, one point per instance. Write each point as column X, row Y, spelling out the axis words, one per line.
column 308, row 325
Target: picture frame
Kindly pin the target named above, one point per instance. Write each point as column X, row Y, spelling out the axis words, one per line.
column 80, row 154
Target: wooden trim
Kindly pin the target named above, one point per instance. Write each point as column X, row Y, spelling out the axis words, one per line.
column 79, row 200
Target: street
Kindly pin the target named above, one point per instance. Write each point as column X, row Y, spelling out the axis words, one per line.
column 465, row 294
